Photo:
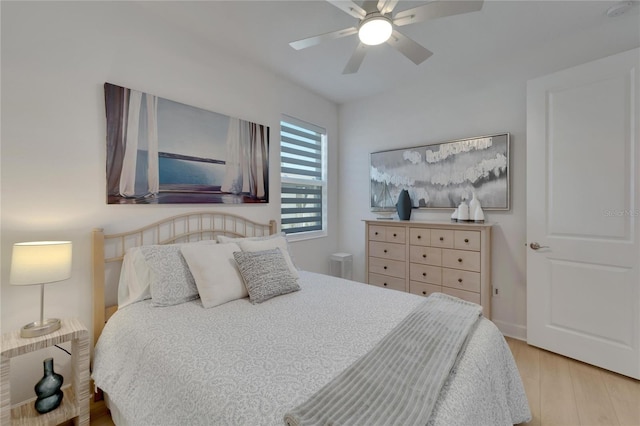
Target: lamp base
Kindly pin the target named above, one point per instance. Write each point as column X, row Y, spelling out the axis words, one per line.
column 40, row 328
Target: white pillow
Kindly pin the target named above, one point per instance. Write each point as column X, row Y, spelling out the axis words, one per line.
column 216, row 273
column 135, row 275
column 135, row 278
column 271, row 243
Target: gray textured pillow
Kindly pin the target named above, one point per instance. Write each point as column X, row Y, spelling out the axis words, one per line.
column 265, row 274
column 171, row 280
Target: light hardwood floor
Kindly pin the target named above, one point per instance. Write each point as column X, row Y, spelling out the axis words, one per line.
column 100, row 414
column 561, row 392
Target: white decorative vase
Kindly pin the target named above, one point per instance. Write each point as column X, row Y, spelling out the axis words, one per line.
column 473, row 205
column 463, row 212
column 454, row 216
column 478, row 216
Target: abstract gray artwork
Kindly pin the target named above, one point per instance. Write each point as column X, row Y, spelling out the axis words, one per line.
column 441, row 175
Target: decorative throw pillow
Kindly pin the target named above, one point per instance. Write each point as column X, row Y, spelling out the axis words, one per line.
column 171, row 280
column 216, row 273
column 265, row 274
column 272, row 243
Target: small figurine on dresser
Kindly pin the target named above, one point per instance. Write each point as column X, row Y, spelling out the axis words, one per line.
column 471, row 212
column 463, row 211
column 475, row 210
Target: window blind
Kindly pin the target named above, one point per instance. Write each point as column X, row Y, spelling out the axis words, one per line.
column 302, row 166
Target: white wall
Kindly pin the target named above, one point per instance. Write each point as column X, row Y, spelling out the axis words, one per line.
column 56, row 56
column 483, row 99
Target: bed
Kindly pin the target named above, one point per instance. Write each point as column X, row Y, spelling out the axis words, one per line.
column 244, row 363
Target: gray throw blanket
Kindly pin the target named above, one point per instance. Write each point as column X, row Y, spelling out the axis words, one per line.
column 399, row 380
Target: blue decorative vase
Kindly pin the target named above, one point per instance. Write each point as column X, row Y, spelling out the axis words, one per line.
column 48, row 389
column 403, row 206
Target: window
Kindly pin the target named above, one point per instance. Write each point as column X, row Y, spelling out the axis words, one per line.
column 303, row 176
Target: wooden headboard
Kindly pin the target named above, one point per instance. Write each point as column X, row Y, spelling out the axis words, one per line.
column 188, row 227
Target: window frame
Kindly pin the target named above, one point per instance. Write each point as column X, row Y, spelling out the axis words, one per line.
column 321, row 184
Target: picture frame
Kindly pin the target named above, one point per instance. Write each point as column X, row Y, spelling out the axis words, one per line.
column 441, row 175
column 164, row 152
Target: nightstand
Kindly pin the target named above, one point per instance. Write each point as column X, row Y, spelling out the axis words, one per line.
column 75, row 404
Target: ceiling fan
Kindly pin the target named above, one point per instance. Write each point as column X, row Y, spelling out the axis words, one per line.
column 377, row 25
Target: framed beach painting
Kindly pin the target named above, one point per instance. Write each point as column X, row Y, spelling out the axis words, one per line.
column 441, row 175
column 165, row 152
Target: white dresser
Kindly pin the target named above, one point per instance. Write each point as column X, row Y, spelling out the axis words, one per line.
column 426, row 257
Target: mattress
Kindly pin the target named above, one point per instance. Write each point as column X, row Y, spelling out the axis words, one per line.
column 245, row 364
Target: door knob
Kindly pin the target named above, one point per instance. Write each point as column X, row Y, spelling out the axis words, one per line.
column 536, row 246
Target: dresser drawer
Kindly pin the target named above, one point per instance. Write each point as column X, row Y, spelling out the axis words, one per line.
column 419, row 236
column 376, row 233
column 391, row 234
column 394, row 268
column 462, row 280
column 464, row 295
column 423, row 289
column 395, row 234
column 387, row 250
column 466, row 240
column 442, row 238
column 387, row 282
column 461, row 259
column 425, row 255
column 425, row 273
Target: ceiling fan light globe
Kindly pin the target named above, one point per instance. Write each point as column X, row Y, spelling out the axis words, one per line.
column 375, row 30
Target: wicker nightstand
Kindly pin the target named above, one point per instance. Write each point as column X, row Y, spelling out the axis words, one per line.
column 75, row 404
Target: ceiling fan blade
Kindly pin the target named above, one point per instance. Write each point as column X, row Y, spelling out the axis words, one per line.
column 312, row 41
column 356, row 59
column 349, row 7
column 386, row 6
column 436, row 9
column 409, row 48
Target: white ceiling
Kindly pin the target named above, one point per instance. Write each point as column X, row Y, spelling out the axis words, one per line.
column 261, row 30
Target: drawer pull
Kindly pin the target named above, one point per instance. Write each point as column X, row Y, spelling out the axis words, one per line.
column 385, row 284
column 460, row 259
column 384, row 267
column 459, row 280
column 441, row 238
column 466, row 240
column 385, row 250
column 395, row 235
column 419, row 236
column 424, row 256
column 376, row 233
column 424, row 274
column 424, row 292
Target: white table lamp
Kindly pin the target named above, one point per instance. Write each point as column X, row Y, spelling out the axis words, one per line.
column 40, row 262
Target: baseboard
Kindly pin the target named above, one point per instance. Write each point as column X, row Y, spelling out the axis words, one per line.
column 512, row 330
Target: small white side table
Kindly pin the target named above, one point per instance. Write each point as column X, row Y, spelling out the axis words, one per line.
column 75, row 403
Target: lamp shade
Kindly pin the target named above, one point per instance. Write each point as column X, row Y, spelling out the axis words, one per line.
column 40, row 262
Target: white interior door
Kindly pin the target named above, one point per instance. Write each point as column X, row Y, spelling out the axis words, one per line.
column 583, row 208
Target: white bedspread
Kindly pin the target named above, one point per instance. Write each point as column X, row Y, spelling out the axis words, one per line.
column 244, row 364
